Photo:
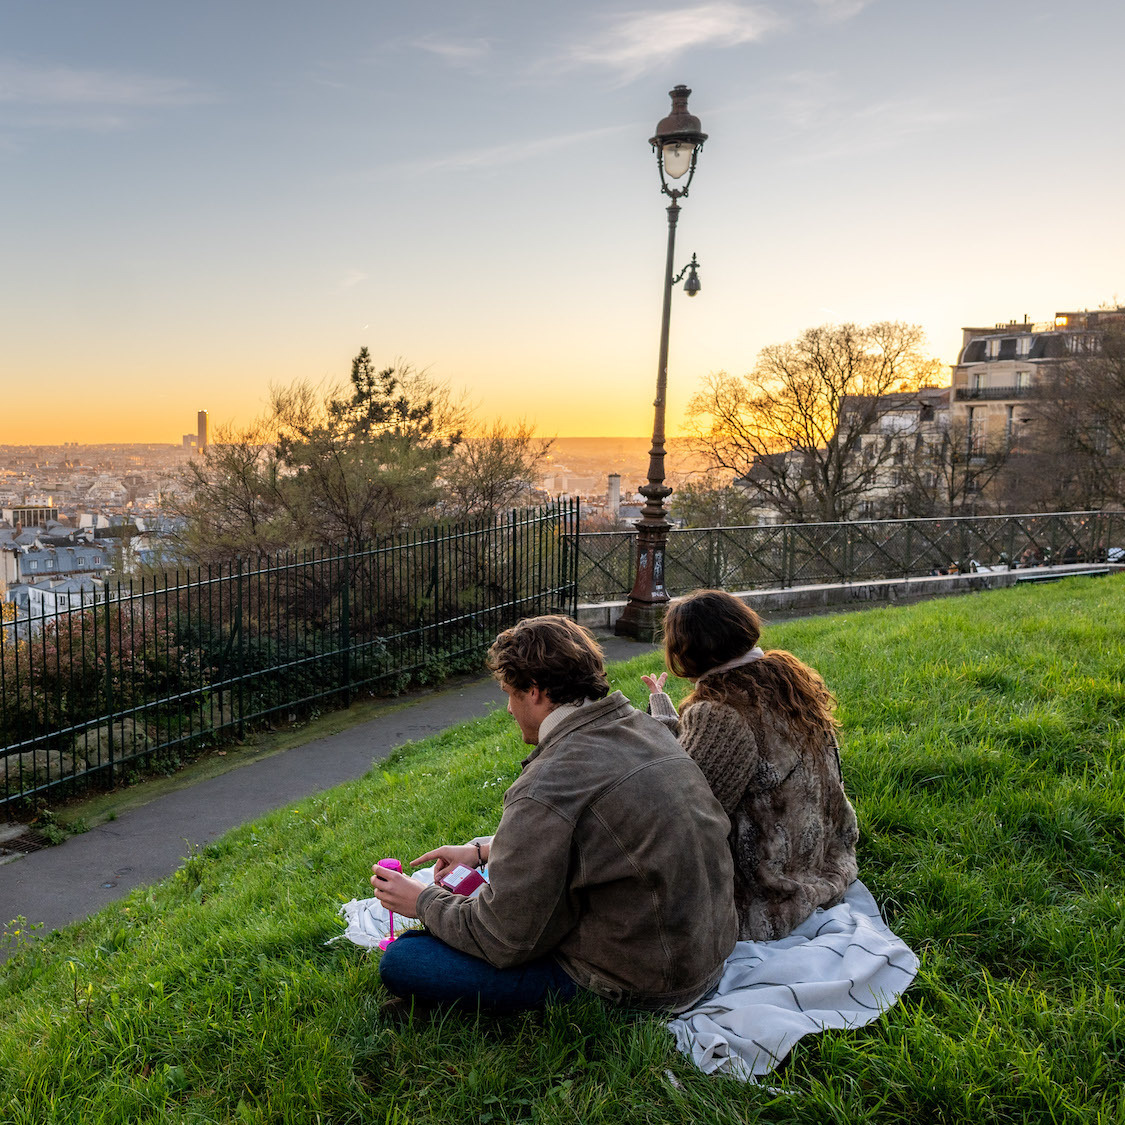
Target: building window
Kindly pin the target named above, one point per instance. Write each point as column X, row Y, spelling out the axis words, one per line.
column 1023, row 345
column 978, row 381
column 972, row 435
column 993, row 349
column 1023, row 381
column 33, row 565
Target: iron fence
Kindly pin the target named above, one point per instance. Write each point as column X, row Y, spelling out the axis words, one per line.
column 162, row 667
column 779, row 556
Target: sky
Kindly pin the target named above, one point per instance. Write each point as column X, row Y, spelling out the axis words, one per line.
column 203, row 200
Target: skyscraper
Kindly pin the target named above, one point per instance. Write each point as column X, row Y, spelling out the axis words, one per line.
column 201, row 439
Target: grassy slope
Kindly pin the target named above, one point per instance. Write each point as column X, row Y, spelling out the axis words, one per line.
column 983, row 748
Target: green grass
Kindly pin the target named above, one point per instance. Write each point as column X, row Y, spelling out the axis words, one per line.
column 983, row 748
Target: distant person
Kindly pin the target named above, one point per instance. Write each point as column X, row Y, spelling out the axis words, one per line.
column 609, row 870
column 761, row 728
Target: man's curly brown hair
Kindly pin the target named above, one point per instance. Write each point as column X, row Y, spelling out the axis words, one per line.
column 552, row 653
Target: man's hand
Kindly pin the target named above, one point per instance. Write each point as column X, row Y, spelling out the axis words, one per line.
column 448, row 856
column 655, row 683
column 398, row 893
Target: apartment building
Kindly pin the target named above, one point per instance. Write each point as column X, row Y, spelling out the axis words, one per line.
column 914, row 430
column 36, row 513
column 1003, row 369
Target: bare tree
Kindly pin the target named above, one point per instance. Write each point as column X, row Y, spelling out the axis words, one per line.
column 494, row 465
column 950, row 470
column 1075, row 456
column 803, row 429
column 228, row 506
column 712, row 500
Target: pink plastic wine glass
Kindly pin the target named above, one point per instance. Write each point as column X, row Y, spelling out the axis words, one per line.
column 392, row 865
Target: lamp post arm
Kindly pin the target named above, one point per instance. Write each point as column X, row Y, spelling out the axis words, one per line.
column 692, row 265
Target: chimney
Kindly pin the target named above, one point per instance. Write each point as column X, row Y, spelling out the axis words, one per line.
column 613, row 495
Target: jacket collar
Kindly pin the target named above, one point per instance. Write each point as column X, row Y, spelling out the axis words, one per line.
column 593, row 711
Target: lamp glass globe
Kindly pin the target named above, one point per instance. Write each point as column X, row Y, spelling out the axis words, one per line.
column 677, row 158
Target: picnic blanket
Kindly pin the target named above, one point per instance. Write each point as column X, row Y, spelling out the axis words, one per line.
column 842, row 968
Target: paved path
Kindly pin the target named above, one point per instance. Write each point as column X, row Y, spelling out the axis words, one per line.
column 60, row 885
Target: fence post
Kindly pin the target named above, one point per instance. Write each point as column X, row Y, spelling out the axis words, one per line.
column 108, row 684
column 566, row 518
column 576, row 523
column 241, row 651
column 513, row 557
column 345, row 629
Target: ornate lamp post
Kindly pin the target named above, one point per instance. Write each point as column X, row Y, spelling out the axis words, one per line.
column 677, row 143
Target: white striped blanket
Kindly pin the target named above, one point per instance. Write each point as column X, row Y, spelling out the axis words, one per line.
column 842, row 968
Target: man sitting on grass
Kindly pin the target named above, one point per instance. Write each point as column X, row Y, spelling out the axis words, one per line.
column 609, row 870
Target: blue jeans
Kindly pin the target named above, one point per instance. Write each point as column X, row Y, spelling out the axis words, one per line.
column 420, row 965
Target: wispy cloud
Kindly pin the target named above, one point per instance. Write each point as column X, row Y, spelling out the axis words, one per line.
column 805, row 98
column 908, row 115
column 827, row 130
column 458, row 52
column 63, row 86
column 351, row 279
column 839, row 10
column 634, row 43
column 816, row 102
column 499, row 155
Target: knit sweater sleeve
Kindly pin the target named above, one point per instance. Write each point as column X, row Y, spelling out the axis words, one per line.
column 663, row 710
column 723, row 746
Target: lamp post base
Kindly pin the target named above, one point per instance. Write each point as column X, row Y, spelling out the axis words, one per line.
column 643, row 618
column 642, row 621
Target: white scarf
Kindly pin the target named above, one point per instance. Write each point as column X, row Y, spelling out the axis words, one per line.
column 553, row 718
column 746, row 658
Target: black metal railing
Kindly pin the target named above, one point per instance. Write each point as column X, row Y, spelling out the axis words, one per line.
column 963, row 394
column 779, row 556
column 162, row 667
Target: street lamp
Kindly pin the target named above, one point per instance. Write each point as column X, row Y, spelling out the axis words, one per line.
column 677, row 143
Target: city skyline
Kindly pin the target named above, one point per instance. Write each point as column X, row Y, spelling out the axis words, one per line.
column 216, row 198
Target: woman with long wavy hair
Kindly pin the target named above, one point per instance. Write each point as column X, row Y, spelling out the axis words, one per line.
column 760, row 725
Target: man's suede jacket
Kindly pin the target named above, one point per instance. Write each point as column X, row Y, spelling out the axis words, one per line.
column 612, row 855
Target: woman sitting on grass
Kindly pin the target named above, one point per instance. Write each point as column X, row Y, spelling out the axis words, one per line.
column 760, row 727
